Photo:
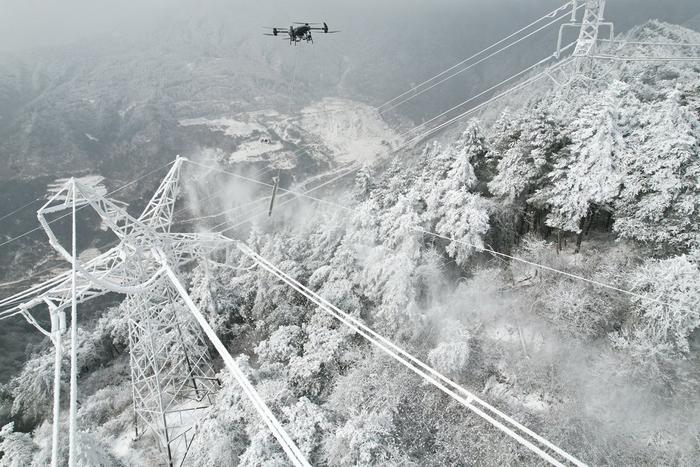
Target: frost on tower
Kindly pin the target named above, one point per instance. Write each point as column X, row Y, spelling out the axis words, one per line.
column 587, row 43
column 172, row 376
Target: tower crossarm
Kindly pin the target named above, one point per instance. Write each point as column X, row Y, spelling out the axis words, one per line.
column 106, row 273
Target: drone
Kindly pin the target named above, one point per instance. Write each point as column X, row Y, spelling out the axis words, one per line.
column 302, row 32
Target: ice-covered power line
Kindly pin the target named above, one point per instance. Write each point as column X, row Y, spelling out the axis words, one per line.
column 472, row 57
column 293, row 196
column 410, row 94
column 290, row 448
column 536, row 443
column 483, row 93
column 252, row 180
column 544, row 268
column 21, row 208
column 503, row 49
column 140, row 268
column 624, row 43
column 221, row 213
column 479, row 107
column 421, row 231
column 645, row 59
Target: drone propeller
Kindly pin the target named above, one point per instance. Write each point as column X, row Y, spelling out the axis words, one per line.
column 275, row 31
column 310, row 24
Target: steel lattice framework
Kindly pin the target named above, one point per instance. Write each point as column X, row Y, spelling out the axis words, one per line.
column 590, row 27
column 587, row 42
column 171, row 368
column 171, row 373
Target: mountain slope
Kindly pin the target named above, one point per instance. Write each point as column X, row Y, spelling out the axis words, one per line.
column 597, row 180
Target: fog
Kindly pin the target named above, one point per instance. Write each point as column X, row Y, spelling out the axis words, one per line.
column 385, row 47
column 26, row 24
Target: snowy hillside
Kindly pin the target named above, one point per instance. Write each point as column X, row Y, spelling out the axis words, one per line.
column 548, row 262
column 351, row 130
column 332, row 131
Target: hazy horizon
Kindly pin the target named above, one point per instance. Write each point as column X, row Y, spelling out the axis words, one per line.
column 31, row 24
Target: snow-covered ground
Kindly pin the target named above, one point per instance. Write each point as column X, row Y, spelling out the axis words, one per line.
column 229, row 126
column 332, row 129
column 254, row 150
column 352, row 130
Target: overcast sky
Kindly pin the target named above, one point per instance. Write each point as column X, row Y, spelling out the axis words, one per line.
column 25, row 24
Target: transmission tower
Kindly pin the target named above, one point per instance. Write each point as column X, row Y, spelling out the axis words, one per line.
column 589, row 28
column 171, row 372
column 593, row 17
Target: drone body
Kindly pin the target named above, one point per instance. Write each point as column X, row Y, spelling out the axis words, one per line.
column 301, row 32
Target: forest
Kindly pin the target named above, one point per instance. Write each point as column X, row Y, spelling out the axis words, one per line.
column 598, row 179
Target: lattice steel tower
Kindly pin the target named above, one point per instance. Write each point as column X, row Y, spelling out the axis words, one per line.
column 171, row 368
column 589, row 28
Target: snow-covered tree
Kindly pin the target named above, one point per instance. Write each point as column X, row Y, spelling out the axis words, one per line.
column 659, row 203
column 363, row 440
column 452, row 207
column 664, row 321
column 525, row 150
column 309, row 423
column 364, row 182
column 587, row 173
column 450, row 358
column 32, row 389
column 16, row 449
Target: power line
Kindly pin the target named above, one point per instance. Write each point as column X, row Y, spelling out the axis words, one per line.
column 413, row 140
column 658, row 44
column 449, row 387
column 481, row 248
column 646, row 59
column 471, row 99
column 290, row 448
column 298, row 194
column 477, row 62
column 403, row 95
column 550, row 14
column 545, row 268
column 221, row 213
column 484, row 104
column 247, row 179
column 20, row 209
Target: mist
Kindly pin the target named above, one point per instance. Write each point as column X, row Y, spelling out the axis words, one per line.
column 385, row 47
column 26, row 25
column 113, row 92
